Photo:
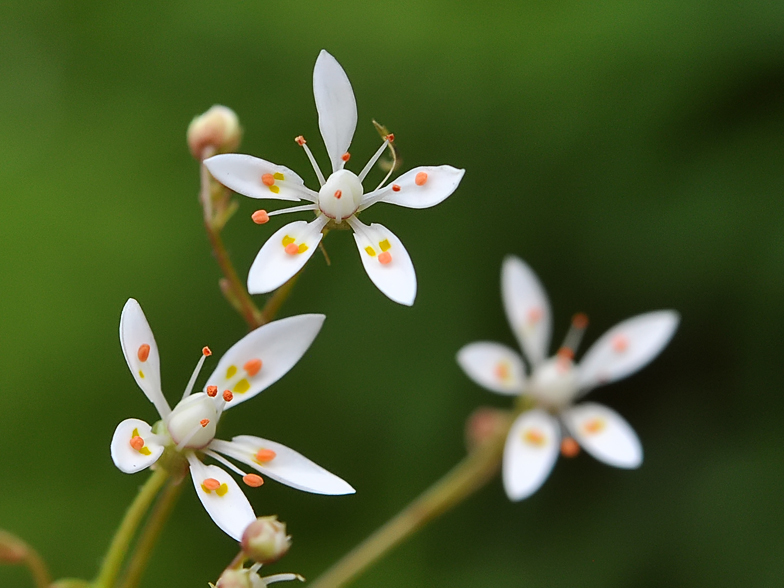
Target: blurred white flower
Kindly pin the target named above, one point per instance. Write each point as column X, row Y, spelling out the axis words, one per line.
column 188, row 431
column 250, row 578
column 555, row 384
column 339, row 200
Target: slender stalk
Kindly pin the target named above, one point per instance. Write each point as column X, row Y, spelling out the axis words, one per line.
column 112, row 561
column 275, row 301
column 150, row 533
column 38, row 568
column 15, row 551
column 476, row 469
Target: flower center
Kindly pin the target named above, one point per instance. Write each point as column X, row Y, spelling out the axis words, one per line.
column 341, row 195
column 193, row 421
column 554, row 383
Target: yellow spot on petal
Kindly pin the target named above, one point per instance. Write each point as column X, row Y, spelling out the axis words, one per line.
column 302, row 248
column 534, row 437
column 594, row 426
column 275, row 189
column 145, row 451
column 141, row 374
column 224, row 488
column 385, row 245
column 287, row 240
column 242, row 386
column 231, row 371
column 278, row 176
column 370, row 251
column 135, row 433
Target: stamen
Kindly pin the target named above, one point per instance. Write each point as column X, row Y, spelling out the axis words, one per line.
column 228, row 396
column 620, row 343
column 346, row 156
column 569, row 447
column 204, row 422
column 373, row 160
column 260, row 217
column 253, row 480
column 252, row 367
column 420, row 179
column 137, row 443
column 390, row 137
column 301, row 208
column 292, row 248
column 395, row 188
column 594, row 426
column 574, row 336
column 282, row 578
column 385, row 258
column 338, row 194
column 211, row 484
column 205, row 352
column 265, row 455
column 212, row 391
column 534, row 437
column 268, row 179
column 302, row 143
column 200, row 425
column 143, row 353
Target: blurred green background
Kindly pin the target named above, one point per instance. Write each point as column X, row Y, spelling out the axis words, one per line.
column 631, row 152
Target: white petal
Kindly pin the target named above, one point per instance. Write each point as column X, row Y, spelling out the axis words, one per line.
column 287, row 467
column 227, row 505
column 337, row 109
column 246, row 175
column 264, row 355
column 273, row 265
column 422, row 187
column 626, row 348
column 493, row 366
column 527, row 308
column 604, row 434
column 126, row 458
column 386, row 262
column 530, row 453
column 141, row 354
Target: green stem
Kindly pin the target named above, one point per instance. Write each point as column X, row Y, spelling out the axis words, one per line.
column 476, row 469
column 275, row 301
column 112, row 561
column 38, row 568
column 150, row 533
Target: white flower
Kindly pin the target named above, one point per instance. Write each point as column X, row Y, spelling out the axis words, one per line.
column 252, row 364
column 339, row 200
column 555, row 384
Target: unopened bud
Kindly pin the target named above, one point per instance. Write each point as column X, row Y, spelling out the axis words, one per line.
column 218, row 128
column 484, row 424
column 235, row 579
column 265, row 540
column 12, row 549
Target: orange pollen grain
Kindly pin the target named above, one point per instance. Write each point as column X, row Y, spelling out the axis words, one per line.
column 580, row 320
column 252, row 367
column 211, row 484
column 390, row 137
column 620, row 344
column 143, row 353
column 212, row 391
column 338, row 194
column 346, row 156
column 385, row 258
column 206, row 351
column 204, row 422
column 137, row 443
column 292, row 249
column 569, row 447
column 300, row 140
column 395, row 188
column 228, row 396
column 420, row 179
column 260, row 217
column 265, row 455
column 268, row 179
column 253, row 480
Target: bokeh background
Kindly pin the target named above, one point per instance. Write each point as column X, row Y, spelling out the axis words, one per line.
column 631, row 152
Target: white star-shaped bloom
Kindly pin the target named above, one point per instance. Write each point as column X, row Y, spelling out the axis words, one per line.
column 339, row 200
column 187, row 433
column 555, row 384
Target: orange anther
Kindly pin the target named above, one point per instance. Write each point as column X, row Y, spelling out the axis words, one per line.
column 206, row 351
column 534, row 437
column 212, row 391
column 502, row 370
column 420, row 179
column 620, row 343
column 594, row 426
column 292, row 249
column 268, row 179
column 137, row 443
column 253, row 480
column 535, row 315
column 385, row 258
column 204, row 422
column 211, row 484
column 260, row 217
column 264, row 455
column 580, row 320
column 143, row 353
column 390, row 137
column 300, row 140
column 345, row 156
column 565, row 353
column 338, row 194
column 252, row 367
column 569, row 447
column 395, row 188
column 227, row 395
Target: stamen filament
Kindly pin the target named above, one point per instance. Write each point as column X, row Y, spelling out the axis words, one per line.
column 190, row 435
column 226, row 462
column 195, row 375
column 302, row 143
column 574, row 336
column 373, row 160
column 282, row 578
column 301, row 208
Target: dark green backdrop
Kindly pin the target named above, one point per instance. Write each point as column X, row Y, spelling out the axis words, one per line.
column 631, row 152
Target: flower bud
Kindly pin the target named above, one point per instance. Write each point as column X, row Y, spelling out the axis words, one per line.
column 484, row 424
column 235, row 579
column 217, row 128
column 12, row 549
column 265, row 540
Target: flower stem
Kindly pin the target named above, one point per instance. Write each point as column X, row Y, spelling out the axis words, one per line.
column 150, row 533
column 15, row 551
column 113, row 559
column 476, row 469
